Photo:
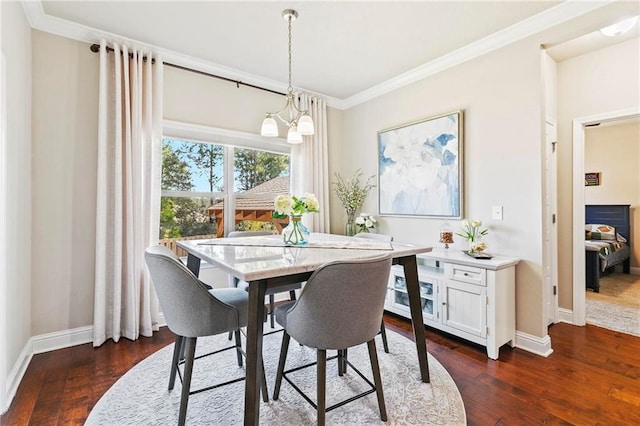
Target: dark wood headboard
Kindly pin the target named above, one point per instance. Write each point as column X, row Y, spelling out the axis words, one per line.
column 610, row 214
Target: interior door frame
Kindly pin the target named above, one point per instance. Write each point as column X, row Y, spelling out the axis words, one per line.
column 579, row 275
column 551, row 282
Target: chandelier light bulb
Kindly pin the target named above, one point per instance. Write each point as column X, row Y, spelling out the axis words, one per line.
column 294, row 137
column 305, row 125
column 269, row 127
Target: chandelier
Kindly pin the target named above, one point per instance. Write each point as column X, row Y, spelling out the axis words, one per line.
column 298, row 121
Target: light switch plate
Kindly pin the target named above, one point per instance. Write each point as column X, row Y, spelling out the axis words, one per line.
column 496, row 212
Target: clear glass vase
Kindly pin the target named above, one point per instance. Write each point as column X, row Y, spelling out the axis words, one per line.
column 477, row 245
column 351, row 228
column 295, row 232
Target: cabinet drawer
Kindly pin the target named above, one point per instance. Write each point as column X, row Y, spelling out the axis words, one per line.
column 467, row 274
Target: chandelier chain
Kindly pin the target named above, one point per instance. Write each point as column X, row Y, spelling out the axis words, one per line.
column 290, row 88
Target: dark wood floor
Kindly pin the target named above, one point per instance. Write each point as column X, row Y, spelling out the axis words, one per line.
column 592, row 378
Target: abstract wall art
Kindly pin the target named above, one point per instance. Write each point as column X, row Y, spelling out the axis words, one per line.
column 420, row 168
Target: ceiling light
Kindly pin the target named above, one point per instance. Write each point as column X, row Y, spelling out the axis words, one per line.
column 619, row 28
column 298, row 121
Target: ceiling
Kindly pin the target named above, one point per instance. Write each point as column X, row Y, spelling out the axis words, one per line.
column 341, row 50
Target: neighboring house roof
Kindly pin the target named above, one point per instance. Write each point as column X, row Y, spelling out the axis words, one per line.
column 279, row 185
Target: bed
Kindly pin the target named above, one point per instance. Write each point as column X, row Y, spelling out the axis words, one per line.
column 607, row 241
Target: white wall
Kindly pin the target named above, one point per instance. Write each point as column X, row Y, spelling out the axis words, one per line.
column 614, row 152
column 500, row 94
column 594, row 83
column 16, row 46
column 65, row 111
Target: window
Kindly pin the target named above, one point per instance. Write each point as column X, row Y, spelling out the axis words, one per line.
column 205, row 182
column 258, row 177
column 192, row 178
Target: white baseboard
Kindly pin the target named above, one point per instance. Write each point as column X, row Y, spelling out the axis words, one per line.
column 39, row 344
column 61, row 339
column 46, row 343
column 565, row 315
column 537, row 345
column 17, row 373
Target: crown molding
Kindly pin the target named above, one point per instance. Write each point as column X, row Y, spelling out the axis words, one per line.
column 39, row 20
column 530, row 26
column 554, row 16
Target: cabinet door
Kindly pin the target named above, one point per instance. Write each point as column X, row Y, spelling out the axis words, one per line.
column 464, row 307
column 398, row 299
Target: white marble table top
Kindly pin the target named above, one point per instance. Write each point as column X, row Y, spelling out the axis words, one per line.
column 249, row 262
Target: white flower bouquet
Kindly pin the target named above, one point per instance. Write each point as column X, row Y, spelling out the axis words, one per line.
column 287, row 205
column 472, row 231
column 365, row 222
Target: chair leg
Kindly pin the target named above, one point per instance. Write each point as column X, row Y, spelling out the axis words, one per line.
column 186, row 380
column 383, row 331
column 272, row 304
column 292, row 295
column 238, row 347
column 340, row 362
column 265, row 391
column 177, row 352
column 283, row 358
column 375, row 367
column 321, row 385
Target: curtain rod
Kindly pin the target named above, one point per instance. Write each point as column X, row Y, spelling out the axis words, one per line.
column 96, row 48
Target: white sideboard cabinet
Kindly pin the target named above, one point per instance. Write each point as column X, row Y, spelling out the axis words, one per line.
column 470, row 298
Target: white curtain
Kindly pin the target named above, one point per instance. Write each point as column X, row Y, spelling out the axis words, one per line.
column 310, row 164
column 128, row 192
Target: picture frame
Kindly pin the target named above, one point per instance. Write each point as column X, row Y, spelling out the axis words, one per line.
column 592, row 179
column 420, row 168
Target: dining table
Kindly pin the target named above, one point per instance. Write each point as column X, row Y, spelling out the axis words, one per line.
column 267, row 262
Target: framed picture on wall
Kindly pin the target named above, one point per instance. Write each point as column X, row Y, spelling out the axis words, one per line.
column 592, row 179
column 420, row 168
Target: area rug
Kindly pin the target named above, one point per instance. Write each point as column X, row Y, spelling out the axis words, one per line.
column 140, row 397
column 617, row 305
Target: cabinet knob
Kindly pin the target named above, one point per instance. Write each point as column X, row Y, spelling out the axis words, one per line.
column 466, row 274
column 444, row 303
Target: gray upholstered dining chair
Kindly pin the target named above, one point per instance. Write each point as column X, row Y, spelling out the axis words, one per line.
column 388, row 239
column 340, row 307
column 271, row 292
column 191, row 310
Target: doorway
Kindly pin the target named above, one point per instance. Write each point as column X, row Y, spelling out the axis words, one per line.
column 579, row 202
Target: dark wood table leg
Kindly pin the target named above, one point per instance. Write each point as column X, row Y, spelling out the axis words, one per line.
column 413, row 290
column 257, row 290
column 193, row 263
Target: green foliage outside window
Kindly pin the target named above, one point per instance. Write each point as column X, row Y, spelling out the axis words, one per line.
column 256, row 167
column 180, row 216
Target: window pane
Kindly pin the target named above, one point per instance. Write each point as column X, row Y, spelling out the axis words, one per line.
column 265, row 175
column 188, row 217
column 254, row 170
column 192, row 166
